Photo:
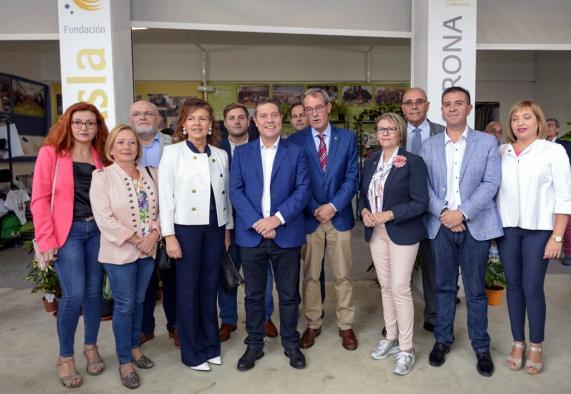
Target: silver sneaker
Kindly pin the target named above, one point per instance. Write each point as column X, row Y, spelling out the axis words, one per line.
column 404, row 362
column 384, row 349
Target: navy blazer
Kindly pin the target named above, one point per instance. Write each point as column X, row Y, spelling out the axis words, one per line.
column 289, row 189
column 566, row 145
column 339, row 183
column 406, row 194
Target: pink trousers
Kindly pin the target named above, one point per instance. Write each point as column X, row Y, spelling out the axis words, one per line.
column 394, row 264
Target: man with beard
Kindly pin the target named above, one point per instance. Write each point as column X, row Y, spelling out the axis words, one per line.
column 145, row 120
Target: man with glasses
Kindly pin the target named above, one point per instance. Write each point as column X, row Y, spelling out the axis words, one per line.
column 495, row 128
column 415, row 107
column 329, row 216
column 144, row 118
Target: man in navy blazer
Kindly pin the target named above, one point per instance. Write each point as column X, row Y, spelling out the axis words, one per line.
column 463, row 179
column 269, row 187
column 329, row 216
column 236, row 121
column 415, row 107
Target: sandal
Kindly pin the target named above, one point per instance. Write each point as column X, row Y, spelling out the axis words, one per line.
column 516, row 363
column 72, row 379
column 144, row 362
column 95, row 365
column 131, row 380
column 532, row 367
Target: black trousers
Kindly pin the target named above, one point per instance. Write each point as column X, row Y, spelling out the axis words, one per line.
column 285, row 264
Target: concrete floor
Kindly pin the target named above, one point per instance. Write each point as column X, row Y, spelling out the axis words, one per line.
column 28, row 343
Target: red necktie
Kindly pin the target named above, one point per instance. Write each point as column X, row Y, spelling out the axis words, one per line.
column 322, row 152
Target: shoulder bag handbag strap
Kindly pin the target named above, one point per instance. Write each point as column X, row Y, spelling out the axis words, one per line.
column 149, row 172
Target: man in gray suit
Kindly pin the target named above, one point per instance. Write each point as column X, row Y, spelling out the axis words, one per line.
column 464, row 176
column 145, row 120
column 415, row 107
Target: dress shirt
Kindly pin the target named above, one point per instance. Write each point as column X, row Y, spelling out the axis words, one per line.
column 326, row 137
column 233, row 145
column 454, row 156
column 151, row 153
column 268, row 157
column 424, row 133
column 535, row 185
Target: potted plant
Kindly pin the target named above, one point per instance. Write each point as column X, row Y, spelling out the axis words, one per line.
column 495, row 280
column 45, row 281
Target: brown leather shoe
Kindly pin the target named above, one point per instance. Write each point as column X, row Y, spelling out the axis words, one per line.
column 174, row 336
column 146, row 338
column 226, row 331
column 270, row 329
column 349, row 340
column 308, row 337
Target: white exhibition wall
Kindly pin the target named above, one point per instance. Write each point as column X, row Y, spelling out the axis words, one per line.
column 503, row 76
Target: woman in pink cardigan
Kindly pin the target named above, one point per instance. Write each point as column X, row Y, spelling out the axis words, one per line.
column 126, row 207
column 66, row 232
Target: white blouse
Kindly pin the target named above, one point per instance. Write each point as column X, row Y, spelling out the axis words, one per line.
column 535, row 186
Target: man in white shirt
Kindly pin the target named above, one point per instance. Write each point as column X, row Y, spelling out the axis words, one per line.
column 269, row 187
column 464, row 177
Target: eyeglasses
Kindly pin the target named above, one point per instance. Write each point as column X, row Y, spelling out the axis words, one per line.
column 318, row 108
column 146, row 114
column 416, row 103
column 387, row 130
column 78, row 124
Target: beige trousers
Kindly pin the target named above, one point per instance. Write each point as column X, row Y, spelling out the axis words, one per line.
column 336, row 246
column 394, row 264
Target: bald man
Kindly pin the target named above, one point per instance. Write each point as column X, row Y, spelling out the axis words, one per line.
column 495, row 128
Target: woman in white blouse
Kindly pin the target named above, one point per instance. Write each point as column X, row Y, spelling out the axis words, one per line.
column 534, row 202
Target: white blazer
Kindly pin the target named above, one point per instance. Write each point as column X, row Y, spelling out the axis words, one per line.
column 535, row 185
column 185, row 179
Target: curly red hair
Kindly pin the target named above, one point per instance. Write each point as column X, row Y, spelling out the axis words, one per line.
column 60, row 135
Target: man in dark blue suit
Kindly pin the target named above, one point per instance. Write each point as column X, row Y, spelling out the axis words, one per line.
column 236, row 121
column 269, row 187
column 329, row 216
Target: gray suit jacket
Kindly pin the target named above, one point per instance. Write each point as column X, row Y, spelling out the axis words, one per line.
column 164, row 140
column 435, row 128
column 480, row 177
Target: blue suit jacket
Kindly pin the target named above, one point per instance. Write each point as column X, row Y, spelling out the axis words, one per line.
column 289, row 192
column 339, row 183
column 405, row 193
column 480, row 177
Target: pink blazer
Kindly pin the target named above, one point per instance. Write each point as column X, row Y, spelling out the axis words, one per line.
column 52, row 228
column 116, row 210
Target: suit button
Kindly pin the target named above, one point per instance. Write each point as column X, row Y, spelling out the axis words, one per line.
column 223, row 191
column 194, row 209
column 134, row 220
column 194, row 157
column 214, row 160
column 126, row 179
column 132, row 214
column 193, row 190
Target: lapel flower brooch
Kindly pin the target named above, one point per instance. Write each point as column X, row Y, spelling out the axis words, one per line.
column 399, row 161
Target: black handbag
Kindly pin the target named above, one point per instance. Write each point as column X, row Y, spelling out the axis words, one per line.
column 162, row 258
column 230, row 278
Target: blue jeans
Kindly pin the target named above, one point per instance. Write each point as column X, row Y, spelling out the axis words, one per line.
column 227, row 301
column 81, row 279
column 521, row 252
column 452, row 250
column 285, row 263
column 129, row 284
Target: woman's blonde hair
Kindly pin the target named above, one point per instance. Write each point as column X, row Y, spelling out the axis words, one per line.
column 113, row 136
column 536, row 110
column 398, row 122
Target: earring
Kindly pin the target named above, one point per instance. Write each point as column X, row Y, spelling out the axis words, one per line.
column 184, row 131
column 210, row 131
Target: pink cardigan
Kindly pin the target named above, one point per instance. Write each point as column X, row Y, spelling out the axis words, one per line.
column 52, row 228
column 116, row 210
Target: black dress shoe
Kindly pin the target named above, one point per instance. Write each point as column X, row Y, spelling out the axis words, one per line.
column 437, row 356
column 296, row 358
column 428, row 326
column 485, row 365
column 248, row 360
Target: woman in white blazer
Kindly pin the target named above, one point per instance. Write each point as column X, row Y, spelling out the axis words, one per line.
column 124, row 201
column 195, row 216
column 534, row 201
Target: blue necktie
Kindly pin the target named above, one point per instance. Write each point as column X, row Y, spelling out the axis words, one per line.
column 416, row 144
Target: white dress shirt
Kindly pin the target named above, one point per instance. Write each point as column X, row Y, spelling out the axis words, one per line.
column 454, row 156
column 234, row 146
column 268, row 157
column 424, row 133
column 535, row 185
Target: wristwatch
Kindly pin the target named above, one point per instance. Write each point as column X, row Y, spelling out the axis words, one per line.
column 557, row 238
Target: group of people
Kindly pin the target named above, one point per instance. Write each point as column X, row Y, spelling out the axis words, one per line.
column 442, row 192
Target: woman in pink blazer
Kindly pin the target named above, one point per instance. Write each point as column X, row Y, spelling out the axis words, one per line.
column 126, row 207
column 66, row 232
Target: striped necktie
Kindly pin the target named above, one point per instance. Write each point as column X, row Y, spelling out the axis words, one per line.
column 322, row 152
